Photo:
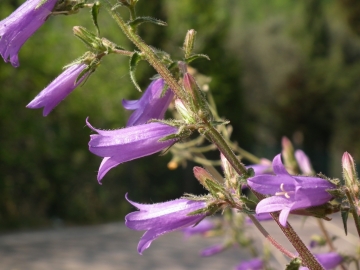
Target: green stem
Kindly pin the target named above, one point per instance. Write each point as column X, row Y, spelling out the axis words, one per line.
column 305, row 254
column 353, row 211
column 224, row 148
column 149, row 54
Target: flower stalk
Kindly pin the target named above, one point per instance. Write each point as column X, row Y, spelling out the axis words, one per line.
column 210, row 132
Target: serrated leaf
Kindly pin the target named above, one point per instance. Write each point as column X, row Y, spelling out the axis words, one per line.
column 94, row 15
column 196, row 56
column 344, row 217
column 134, row 60
column 141, row 20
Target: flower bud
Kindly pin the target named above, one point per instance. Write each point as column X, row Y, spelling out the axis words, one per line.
column 229, row 171
column 288, row 156
column 196, row 100
column 189, row 42
column 349, row 172
column 185, row 113
column 90, row 39
column 202, row 175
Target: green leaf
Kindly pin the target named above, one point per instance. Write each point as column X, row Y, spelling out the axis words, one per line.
column 196, row 56
column 134, row 60
column 94, row 15
column 141, row 20
column 251, row 205
column 344, row 216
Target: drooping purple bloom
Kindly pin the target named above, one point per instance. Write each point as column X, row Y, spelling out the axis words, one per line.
column 150, row 106
column 121, row 145
column 303, row 162
column 254, row 264
column 327, row 260
column 160, row 218
column 289, row 192
column 212, row 250
column 59, row 89
column 20, row 25
column 202, row 228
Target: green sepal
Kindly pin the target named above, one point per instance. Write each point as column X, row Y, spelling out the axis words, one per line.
column 294, row 264
column 215, row 188
column 140, row 20
column 163, row 56
column 170, row 137
column 134, row 60
column 196, row 56
column 219, row 123
column 344, row 217
column 94, row 15
column 250, row 204
column 336, row 193
column 117, row 5
column 77, row 6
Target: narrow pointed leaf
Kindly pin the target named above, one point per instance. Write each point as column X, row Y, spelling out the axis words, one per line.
column 134, row 60
column 141, row 20
column 196, row 56
column 344, row 216
column 94, row 14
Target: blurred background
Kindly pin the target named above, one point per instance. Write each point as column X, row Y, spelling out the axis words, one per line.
column 278, row 68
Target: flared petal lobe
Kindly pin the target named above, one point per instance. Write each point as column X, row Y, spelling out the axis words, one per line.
column 289, row 192
column 121, row 145
column 150, row 106
column 160, row 218
column 59, row 89
column 20, row 26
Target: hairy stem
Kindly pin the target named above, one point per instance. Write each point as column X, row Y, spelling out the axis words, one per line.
column 353, row 211
column 148, row 54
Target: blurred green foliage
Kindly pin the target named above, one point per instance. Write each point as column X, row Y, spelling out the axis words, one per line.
column 278, row 67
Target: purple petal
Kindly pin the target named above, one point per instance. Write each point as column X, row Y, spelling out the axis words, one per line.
column 278, row 167
column 20, row 25
column 106, row 165
column 284, row 214
column 271, row 184
column 130, row 143
column 150, row 106
column 162, row 218
column 273, row 204
column 304, row 162
column 59, row 89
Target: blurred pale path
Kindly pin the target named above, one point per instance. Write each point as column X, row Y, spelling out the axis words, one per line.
column 113, row 246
